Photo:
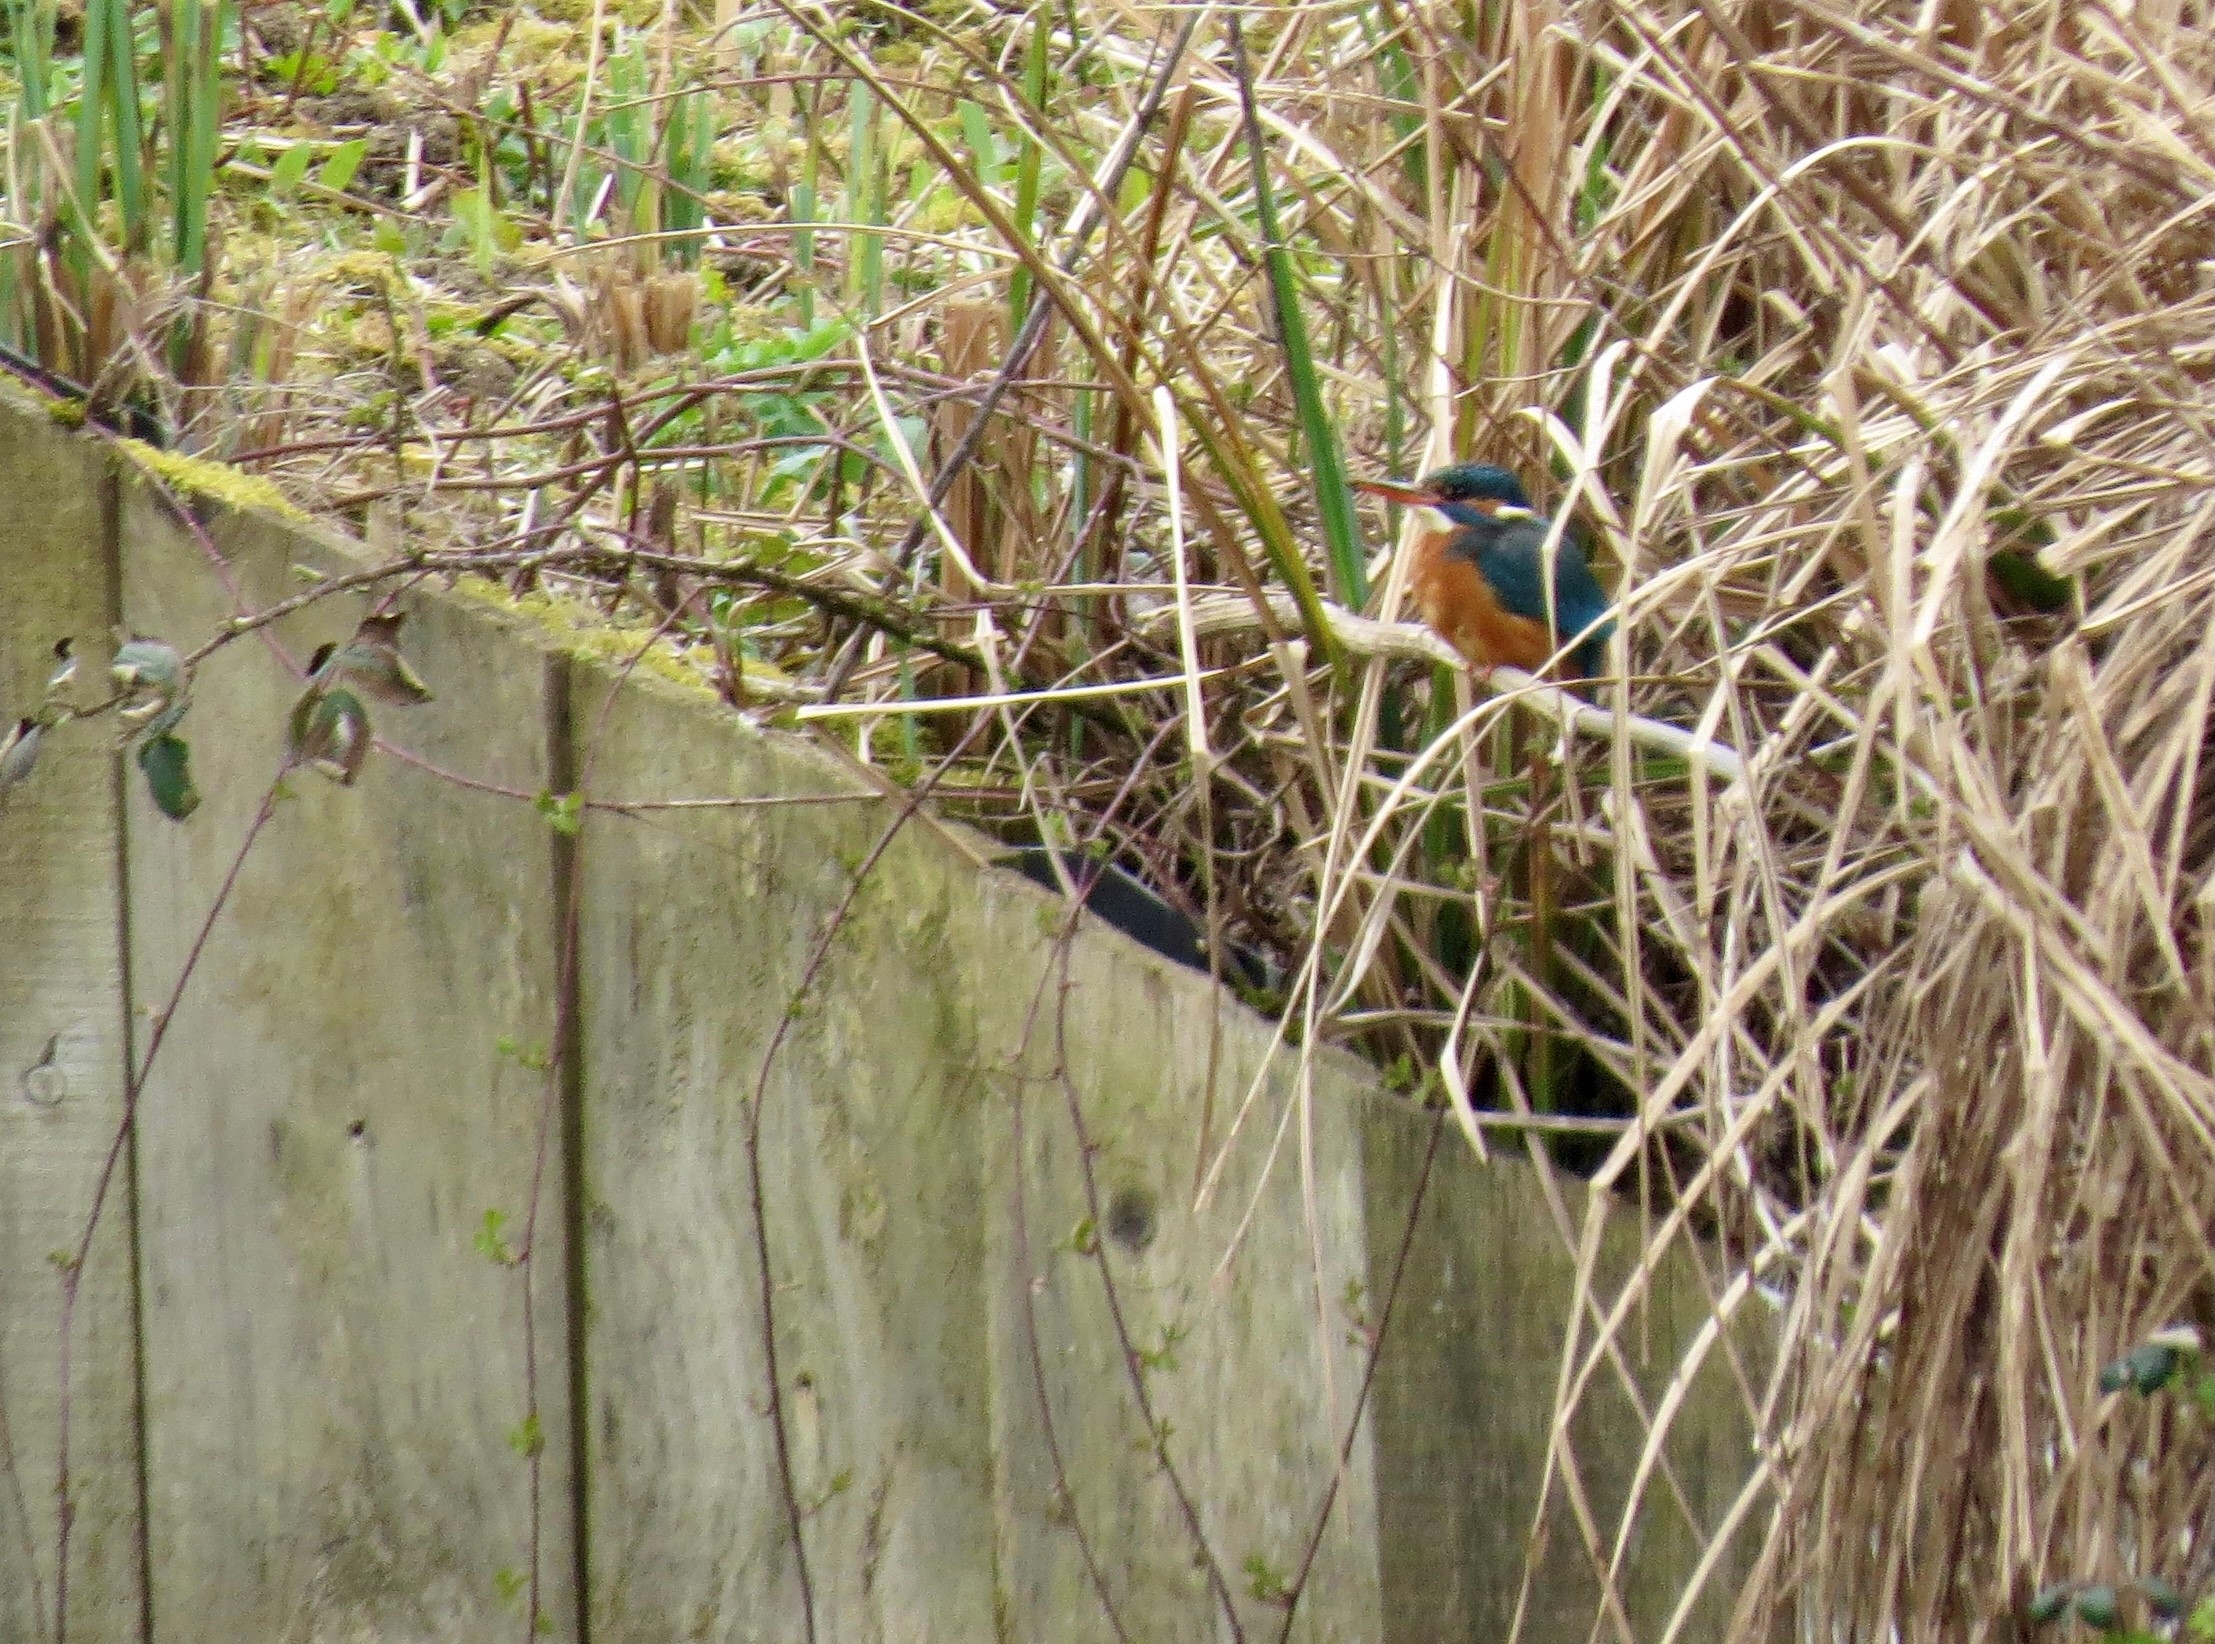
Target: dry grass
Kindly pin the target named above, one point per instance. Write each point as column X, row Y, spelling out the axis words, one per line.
column 1821, row 316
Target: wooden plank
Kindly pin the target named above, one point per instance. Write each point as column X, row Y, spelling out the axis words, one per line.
column 1464, row 1407
column 62, row 1056
column 1251, row 1368
column 905, row 1385
column 335, row 1372
column 696, row 928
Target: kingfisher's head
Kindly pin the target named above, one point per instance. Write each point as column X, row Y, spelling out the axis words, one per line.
column 1475, row 482
column 1463, row 488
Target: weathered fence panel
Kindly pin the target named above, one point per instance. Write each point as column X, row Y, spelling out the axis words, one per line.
column 1464, row 1408
column 1016, row 1362
column 1242, row 1315
column 62, row 1055
column 334, row 1369
column 697, row 928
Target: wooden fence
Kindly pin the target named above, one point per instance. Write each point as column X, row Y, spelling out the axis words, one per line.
column 1017, row 1393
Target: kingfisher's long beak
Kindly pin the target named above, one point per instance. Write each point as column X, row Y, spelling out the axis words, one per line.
column 1407, row 495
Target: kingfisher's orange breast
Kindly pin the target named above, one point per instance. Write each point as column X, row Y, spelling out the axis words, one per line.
column 1461, row 608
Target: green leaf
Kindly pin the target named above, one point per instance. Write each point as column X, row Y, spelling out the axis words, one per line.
column 491, row 1242
column 534, row 1057
column 329, row 732
column 482, row 227
column 2164, row 1600
column 2050, row 1602
column 527, row 1438
column 372, row 660
column 155, row 681
column 148, row 664
column 291, row 167
column 509, row 1584
column 976, row 131
column 2152, row 1365
column 564, row 812
column 19, row 752
column 1264, row 1581
column 338, row 171
column 2018, row 535
column 2097, row 1605
column 2022, row 576
column 2145, row 1368
column 166, row 761
column 2200, row 1625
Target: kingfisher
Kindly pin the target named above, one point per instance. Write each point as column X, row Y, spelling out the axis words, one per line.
column 1479, row 574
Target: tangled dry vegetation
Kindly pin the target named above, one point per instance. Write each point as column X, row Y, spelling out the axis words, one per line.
column 877, row 357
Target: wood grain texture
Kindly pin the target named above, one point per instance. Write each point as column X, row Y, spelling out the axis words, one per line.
column 696, row 928
column 1250, row 1372
column 1464, row 1407
column 334, row 1370
column 62, row 1053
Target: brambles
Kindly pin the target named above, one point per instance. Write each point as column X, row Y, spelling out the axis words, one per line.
column 2132, row 1610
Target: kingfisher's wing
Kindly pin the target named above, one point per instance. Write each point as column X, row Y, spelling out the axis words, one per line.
column 1509, row 553
column 1510, row 556
column 1578, row 596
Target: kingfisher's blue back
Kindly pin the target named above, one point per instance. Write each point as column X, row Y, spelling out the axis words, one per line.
column 1508, row 550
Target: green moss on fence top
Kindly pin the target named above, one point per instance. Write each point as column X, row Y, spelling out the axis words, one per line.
column 219, row 482
column 577, row 627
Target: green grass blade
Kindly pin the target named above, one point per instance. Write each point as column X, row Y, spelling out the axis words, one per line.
column 628, row 138
column 92, row 103
column 184, row 28
column 689, row 142
column 1228, row 455
column 1334, row 498
column 198, row 135
column 864, row 199
column 984, row 149
column 1029, row 158
column 130, row 180
column 34, row 48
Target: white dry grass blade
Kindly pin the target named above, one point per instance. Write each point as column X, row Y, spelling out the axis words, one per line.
column 1188, row 645
column 1451, row 1073
column 575, row 157
column 1409, row 641
column 1665, row 462
column 822, row 711
column 888, row 423
column 1951, row 542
